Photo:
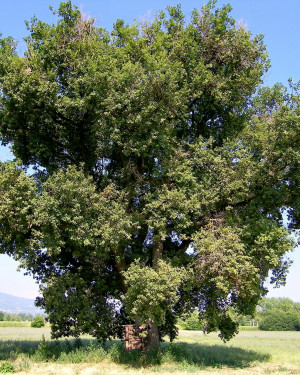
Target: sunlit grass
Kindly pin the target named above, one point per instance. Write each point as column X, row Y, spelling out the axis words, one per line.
column 24, row 333
column 282, row 347
column 5, row 323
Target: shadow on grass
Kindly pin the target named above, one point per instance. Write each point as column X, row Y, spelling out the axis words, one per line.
column 42, row 350
column 184, row 355
column 219, row 356
column 10, row 349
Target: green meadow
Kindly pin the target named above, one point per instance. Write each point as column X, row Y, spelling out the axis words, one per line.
column 26, row 350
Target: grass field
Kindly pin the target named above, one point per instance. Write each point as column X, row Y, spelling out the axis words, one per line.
column 14, row 324
column 251, row 352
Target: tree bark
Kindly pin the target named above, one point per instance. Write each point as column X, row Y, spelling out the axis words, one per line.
column 152, row 340
column 157, row 251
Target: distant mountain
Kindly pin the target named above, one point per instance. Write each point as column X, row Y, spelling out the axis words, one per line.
column 13, row 304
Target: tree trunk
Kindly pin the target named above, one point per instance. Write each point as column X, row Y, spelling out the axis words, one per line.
column 148, row 334
column 149, row 342
column 152, row 340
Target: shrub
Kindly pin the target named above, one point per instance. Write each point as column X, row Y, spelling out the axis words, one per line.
column 174, row 353
column 68, row 352
column 38, row 322
column 6, row 367
column 278, row 320
column 118, row 354
column 192, row 323
column 46, row 351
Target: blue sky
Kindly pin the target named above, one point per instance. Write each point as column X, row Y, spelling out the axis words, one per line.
column 277, row 20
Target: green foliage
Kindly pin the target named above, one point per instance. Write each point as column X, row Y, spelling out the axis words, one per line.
column 38, row 321
column 16, row 317
column 13, row 317
column 44, row 352
column 149, row 142
column 117, row 353
column 17, row 193
column 91, row 354
column 191, row 323
column 151, row 292
column 168, row 354
column 279, row 314
column 6, row 368
column 71, row 209
column 283, row 304
column 68, row 352
column 278, row 320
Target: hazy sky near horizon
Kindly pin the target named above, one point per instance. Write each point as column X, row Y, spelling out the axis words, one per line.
column 277, row 20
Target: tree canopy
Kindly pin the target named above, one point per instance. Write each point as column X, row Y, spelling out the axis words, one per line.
column 162, row 169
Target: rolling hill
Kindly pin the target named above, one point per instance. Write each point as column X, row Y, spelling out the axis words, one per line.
column 13, row 304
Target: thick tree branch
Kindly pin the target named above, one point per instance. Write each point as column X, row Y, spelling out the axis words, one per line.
column 157, row 251
column 121, row 267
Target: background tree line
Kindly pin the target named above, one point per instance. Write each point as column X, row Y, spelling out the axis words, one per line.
column 14, row 317
column 18, row 320
column 279, row 314
column 272, row 314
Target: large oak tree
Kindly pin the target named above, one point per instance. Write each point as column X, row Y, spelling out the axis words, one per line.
column 161, row 170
